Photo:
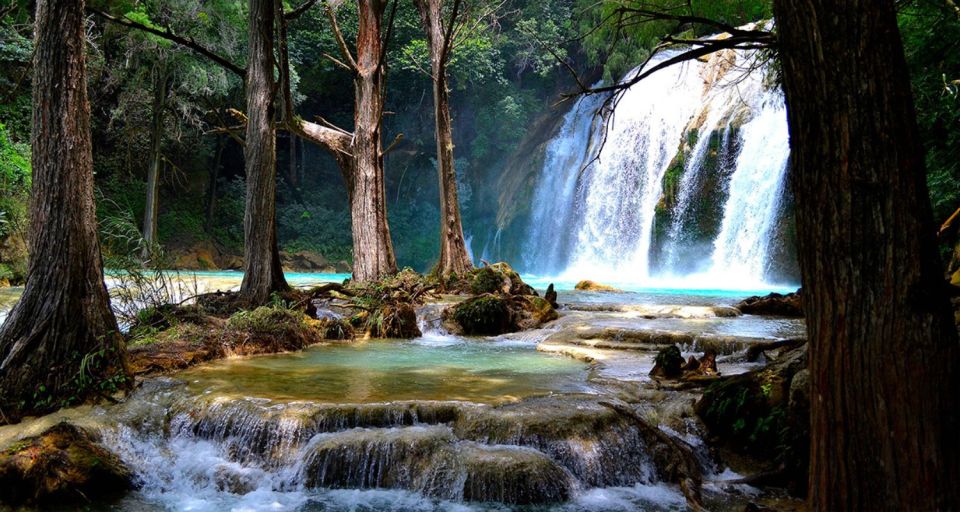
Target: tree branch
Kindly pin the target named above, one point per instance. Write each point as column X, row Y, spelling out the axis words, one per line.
column 294, row 14
column 341, row 42
column 169, row 35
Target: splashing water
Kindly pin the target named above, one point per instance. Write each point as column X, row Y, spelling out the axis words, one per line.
column 597, row 219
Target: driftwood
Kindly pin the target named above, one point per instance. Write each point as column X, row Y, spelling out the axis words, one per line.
column 753, row 353
column 673, row 457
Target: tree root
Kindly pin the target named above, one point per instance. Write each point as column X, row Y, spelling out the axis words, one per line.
column 673, row 457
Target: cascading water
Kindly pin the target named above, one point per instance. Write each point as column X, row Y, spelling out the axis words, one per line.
column 686, row 189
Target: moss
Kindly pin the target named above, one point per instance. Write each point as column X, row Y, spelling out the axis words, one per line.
column 485, row 280
column 484, row 315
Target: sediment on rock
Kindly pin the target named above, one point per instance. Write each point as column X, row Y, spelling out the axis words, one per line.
column 60, row 465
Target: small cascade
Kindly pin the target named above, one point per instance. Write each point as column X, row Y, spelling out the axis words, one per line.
column 684, row 185
column 216, row 452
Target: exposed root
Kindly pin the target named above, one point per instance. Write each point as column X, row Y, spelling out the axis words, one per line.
column 674, row 458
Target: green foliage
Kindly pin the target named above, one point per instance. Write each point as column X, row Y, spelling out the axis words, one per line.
column 15, row 182
column 485, row 280
column 930, row 32
column 274, row 319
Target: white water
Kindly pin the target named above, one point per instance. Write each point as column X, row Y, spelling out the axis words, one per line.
column 595, row 219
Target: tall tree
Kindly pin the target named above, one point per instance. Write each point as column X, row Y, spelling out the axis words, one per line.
column 263, row 274
column 359, row 154
column 152, row 203
column 61, row 339
column 453, row 249
column 884, row 356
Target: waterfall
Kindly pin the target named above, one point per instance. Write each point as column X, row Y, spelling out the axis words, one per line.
column 684, row 187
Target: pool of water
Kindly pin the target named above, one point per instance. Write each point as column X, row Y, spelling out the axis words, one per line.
column 438, row 368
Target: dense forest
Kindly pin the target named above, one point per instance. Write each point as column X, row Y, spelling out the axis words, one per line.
column 371, row 169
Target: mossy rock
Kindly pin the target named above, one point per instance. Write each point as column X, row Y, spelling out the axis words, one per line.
column 484, row 315
column 485, row 280
column 752, row 413
column 58, row 466
column 513, row 475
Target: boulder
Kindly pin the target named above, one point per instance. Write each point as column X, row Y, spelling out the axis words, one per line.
column 199, row 256
column 304, row 261
column 593, row 286
column 485, row 315
column 774, row 304
column 59, row 465
column 496, row 278
column 495, row 314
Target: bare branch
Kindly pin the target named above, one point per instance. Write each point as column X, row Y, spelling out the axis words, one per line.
column 341, row 42
column 393, row 145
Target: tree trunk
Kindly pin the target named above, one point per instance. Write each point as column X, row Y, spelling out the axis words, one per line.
column 263, row 274
column 213, row 174
column 61, row 342
column 152, row 203
column 293, row 177
column 359, row 154
column 884, row 356
column 373, row 255
column 453, row 249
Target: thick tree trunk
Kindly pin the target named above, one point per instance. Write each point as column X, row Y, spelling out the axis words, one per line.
column 453, row 249
column 373, row 255
column 263, row 274
column 884, row 356
column 61, row 341
column 152, row 203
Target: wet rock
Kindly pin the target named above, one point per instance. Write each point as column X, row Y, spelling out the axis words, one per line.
column 751, row 413
column 378, row 458
column 58, row 465
column 668, row 363
column 485, row 315
column 491, row 315
column 551, row 296
column 592, row 286
column 512, row 475
column 235, row 480
column 584, row 437
column 774, row 304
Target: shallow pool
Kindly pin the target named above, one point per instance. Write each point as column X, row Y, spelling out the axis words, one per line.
column 432, row 368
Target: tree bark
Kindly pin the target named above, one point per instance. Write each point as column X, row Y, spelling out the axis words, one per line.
column 61, row 341
column 453, row 250
column 152, row 203
column 263, row 274
column 884, row 356
column 373, row 255
column 359, row 154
